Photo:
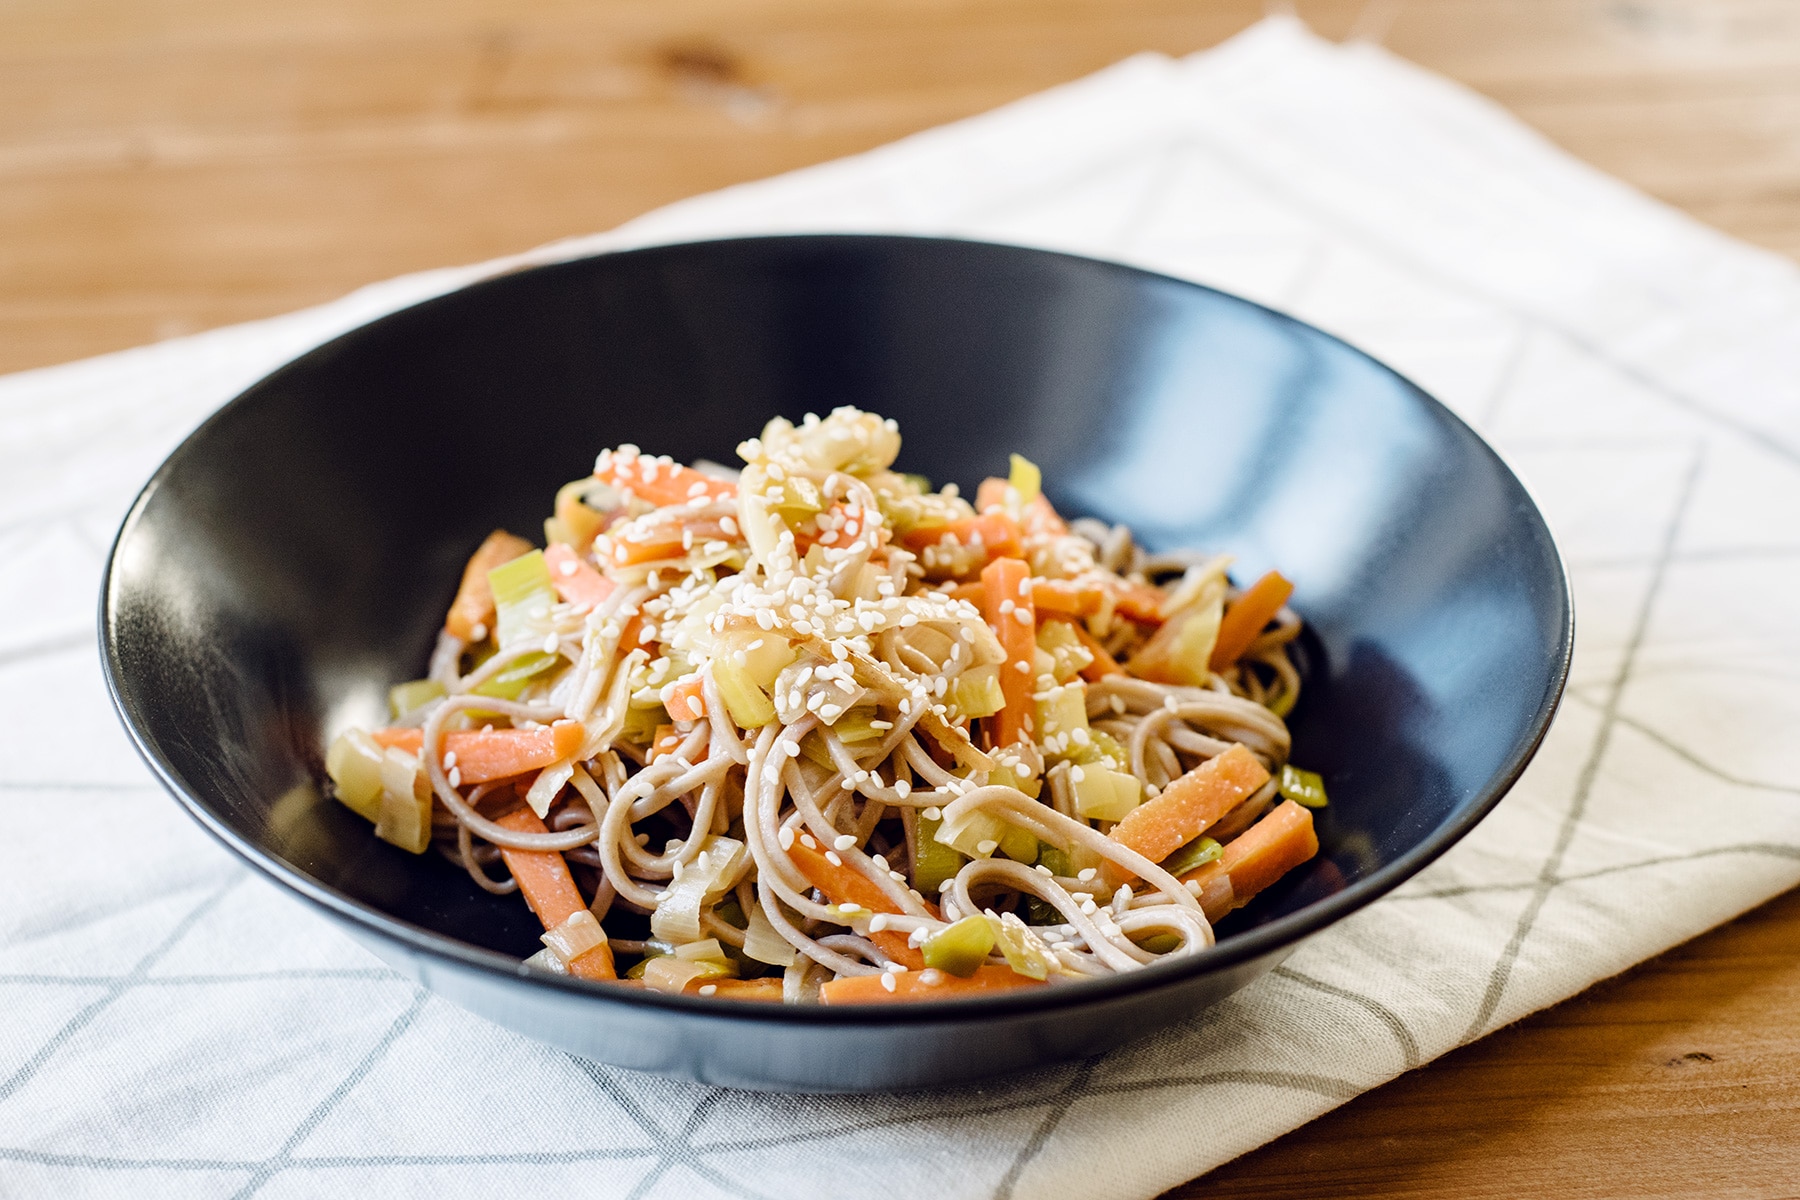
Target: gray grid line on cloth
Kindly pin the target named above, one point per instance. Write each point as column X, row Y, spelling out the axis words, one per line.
column 1547, row 882
column 86, row 1014
column 1768, row 849
column 272, row 1166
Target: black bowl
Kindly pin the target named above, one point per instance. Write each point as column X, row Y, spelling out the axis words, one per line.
column 296, row 554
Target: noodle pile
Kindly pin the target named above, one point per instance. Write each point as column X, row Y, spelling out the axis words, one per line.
column 844, row 738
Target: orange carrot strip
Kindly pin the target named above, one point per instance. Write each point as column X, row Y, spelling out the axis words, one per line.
column 1004, row 600
column 550, row 890
column 1067, row 597
column 474, row 603
column 659, row 480
column 974, row 593
column 766, row 989
column 991, row 493
column 575, row 581
column 847, row 885
column 998, row 532
column 1084, row 598
column 913, row 985
column 1263, row 853
column 1189, row 805
column 1245, row 618
column 486, row 755
column 684, row 701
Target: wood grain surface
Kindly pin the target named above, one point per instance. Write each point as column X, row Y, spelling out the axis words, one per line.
column 171, row 165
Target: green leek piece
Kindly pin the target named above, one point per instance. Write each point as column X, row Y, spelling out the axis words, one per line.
column 519, row 587
column 1026, row 479
column 853, row 727
column 1196, row 853
column 923, row 483
column 1055, row 861
column 1020, row 845
column 1062, row 710
column 933, row 862
column 641, row 724
column 976, row 692
column 1101, row 750
column 1161, row 943
column 1104, row 795
column 812, row 746
column 405, row 818
column 1305, row 788
column 961, row 948
column 354, row 764
column 976, row 834
column 404, row 697
column 747, row 703
column 1025, row 954
column 511, row 683
column 765, row 655
column 1068, row 657
column 1284, row 703
column 1031, row 785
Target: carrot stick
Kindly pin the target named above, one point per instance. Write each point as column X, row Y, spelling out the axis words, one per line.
column 923, row 985
column 1162, row 825
column 767, row 989
column 550, row 890
column 998, row 533
column 1263, row 853
column 575, row 581
column 474, row 603
column 659, row 480
column 1245, row 618
column 1008, row 607
column 846, row 885
column 484, row 755
column 1084, row 598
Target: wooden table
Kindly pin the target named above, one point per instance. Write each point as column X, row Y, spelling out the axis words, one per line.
column 170, row 165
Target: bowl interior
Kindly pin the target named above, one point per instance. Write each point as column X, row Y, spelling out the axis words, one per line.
column 296, row 555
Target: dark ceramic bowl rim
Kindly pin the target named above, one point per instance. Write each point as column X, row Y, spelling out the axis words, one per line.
column 1278, row 934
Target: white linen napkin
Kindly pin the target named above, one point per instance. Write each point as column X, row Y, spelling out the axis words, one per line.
column 176, row 1025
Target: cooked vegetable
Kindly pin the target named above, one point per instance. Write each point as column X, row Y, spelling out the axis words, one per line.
column 1006, row 603
column 1302, row 787
column 472, row 612
column 1265, row 852
column 1247, row 616
column 1190, row 804
column 960, row 948
column 887, row 988
column 484, row 755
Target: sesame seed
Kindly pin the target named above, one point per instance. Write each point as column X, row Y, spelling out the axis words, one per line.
column 449, row 759
column 843, row 841
column 931, row 977
column 1022, row 616
column 806, row 839
column 708, row 989
column 878, row 923
column 1041, row 869
column 895, row 968
column 569, row 567
column 903, row 788
column 831, row 856
column 478, row 632
column 786, row 837
column 934, row 813
column 887, row 982
column 1086, row 874
column 455, row 777
column 987, row 846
